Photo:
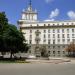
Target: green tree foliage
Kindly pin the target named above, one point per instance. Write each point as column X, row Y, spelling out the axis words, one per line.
column 11, row 39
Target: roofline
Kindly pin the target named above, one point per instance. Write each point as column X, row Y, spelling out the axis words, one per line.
column 46, row 21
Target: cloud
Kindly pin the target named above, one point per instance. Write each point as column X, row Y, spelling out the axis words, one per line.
column 54, row 13
column 48, row 1
column 71, row 15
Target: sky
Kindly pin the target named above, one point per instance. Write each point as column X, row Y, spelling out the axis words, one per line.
column 48, row 10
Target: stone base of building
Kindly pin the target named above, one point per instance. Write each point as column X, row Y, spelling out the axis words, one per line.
column 44, row 50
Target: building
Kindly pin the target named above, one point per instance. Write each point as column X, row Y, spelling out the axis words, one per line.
column 46, row 37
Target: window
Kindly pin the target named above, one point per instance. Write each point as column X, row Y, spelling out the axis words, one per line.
column 30, row 36
column 67, row 30
column 58, row 31
column 30, row 41
column 31, row 25
column 53, row 35
column 44, row 31
column 48, row 24
column 53, row 30
column 53, row 52
column 53, row 41
column 62, row 23
column 58, row 36
column 63, row 40
column 30, row 31
column 58, row 24
column 48, row 31
column 49, row 52
column 53, row 24
column 48, row 41
column 48, row 46
column 63, row 46
column 37, row 25
column 44, row 36
column 63, row 52
column 58, row 52
column 58, row 46
column 72, row 23
column 62, row 30
column 44, row 40
column 68, row 40
column 72, row 30
column 73, row 40
column 53, row 47
column 67, row 23
column 73, row 35
column 63, row 35
column 44, row 24
column 67, row 35
column 58, row 40
column 48, row 35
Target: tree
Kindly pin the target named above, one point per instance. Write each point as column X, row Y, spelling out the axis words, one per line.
column 14, row 40
column 3, row 26
column 11, row 39
column 71, row 49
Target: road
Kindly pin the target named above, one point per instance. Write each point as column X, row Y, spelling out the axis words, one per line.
column 37, row 69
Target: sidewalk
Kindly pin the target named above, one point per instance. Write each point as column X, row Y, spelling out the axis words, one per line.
column 51, row 60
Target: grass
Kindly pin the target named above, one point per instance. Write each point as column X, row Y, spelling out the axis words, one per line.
column 14, row 61
column 8, row 60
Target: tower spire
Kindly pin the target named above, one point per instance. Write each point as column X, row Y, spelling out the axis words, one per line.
column 30, row 6
column 30, row 3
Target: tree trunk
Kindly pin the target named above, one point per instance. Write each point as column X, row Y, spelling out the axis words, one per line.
column 11, row 55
